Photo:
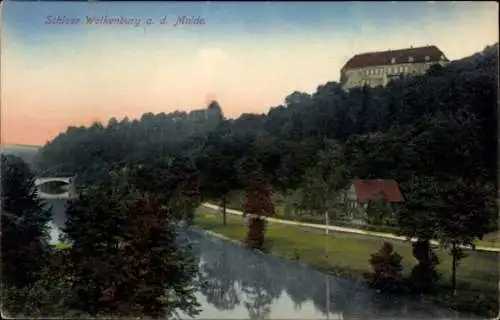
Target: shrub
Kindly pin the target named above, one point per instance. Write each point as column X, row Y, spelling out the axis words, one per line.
column 424, row 275
column 387, row 270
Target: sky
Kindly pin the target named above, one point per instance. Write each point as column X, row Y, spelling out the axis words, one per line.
column 248, row 55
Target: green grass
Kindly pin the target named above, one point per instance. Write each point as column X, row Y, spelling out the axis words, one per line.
column 490, row 240
column 348, row 255
column 236, row 197
column 62, row 246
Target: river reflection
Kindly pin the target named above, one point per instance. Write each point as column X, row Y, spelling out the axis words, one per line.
column 242, row 284
column 236, row 283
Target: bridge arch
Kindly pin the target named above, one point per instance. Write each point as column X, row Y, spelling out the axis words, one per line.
column 40, row 181
column 69, row 194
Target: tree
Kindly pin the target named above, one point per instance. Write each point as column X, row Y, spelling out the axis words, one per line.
column 464, row 216
column 184, row 181
column 387, row 268
column 379, row 211
column 417, row 218
column 424, row 275
column 218, row 175
column 47, row 297
column 124, row 256
column 25, row 234
column 258, row 204
column 325, row 181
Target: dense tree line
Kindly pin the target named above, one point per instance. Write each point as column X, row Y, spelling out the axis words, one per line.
column 122, row 258
column 434, row 134
column 401, row 131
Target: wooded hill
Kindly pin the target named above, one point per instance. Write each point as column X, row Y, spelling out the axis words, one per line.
column 439, row 126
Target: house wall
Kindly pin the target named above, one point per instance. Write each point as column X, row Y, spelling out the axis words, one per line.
column 381, row 75
column 353, row 208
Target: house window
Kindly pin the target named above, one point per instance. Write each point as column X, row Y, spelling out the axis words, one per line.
column 427, row 58
column 410, row 59
column 406, row 68
column 442, row 57
column 393, row 60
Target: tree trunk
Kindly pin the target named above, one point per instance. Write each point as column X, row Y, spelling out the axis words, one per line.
column 224, row 203
column 454, row 269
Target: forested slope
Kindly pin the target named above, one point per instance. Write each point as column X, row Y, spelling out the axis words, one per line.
column 440, row 126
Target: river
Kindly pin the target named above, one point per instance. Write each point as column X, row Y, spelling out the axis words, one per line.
column 240, row 284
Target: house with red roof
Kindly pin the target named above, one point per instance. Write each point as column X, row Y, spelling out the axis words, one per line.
column 359, row 193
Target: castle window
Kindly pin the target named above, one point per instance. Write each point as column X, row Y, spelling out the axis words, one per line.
column 427, row 58
column 410, row 59
column 393, row 60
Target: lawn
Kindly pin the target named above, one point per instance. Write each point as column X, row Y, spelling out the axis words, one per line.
column 347, row 254
column 235, row 201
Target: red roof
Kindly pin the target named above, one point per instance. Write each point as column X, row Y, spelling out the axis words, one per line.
column 367, row 190
column 383, row 58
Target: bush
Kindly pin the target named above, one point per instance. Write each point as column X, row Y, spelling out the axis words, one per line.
column 424, row 275
column 387, row 270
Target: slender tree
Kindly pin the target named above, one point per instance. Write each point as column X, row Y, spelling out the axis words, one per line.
column 464, row 215
column 258, row 204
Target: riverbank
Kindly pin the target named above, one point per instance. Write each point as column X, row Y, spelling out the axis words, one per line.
column 236, row 198
column 335, row 229
column 347, row 255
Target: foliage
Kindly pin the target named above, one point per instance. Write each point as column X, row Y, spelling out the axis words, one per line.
column 387, row 269
column 434, row 134
column 379, row 212
column 257, row 202
column 323, row 183
column 124, row 256
column 417, row 217
column 24, row 225
column 47, row 297
column 464, row 216
column 424, row 275
column 258, row 199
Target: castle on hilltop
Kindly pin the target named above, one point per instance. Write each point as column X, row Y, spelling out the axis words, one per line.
column 378, row 68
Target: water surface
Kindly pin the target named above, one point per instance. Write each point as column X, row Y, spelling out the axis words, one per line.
column 243, row 284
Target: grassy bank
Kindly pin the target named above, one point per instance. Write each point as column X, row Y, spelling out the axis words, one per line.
column 348, row 255
column 235, row 202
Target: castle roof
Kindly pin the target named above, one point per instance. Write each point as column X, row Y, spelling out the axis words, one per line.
column 382, row 58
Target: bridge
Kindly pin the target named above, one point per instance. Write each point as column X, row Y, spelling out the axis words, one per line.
column 69, row 189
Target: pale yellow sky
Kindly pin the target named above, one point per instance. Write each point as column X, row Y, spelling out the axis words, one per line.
column 52, row 83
